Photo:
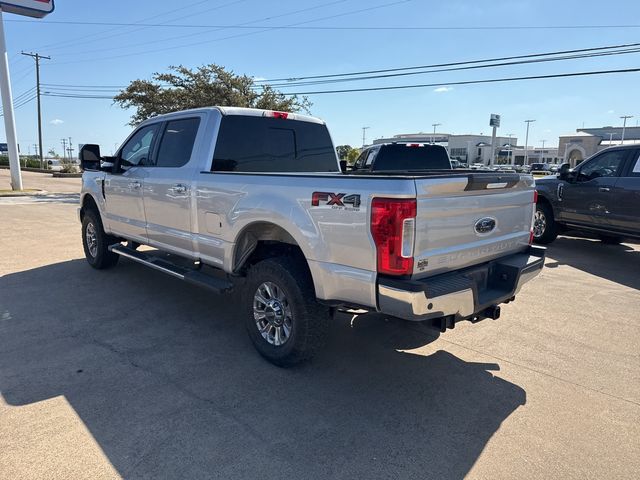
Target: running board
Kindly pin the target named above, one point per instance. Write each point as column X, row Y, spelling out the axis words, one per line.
column 189, row 275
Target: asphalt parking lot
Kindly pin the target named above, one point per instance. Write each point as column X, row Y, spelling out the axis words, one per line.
column 129, row 373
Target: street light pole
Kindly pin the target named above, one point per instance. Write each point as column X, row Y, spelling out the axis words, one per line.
column 434, row 125
column 624, row 126
column 364, row 129
column 526, row 142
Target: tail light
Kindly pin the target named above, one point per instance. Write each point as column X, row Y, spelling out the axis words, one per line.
column 393, row 224
column 533, row 216
column 282, row 115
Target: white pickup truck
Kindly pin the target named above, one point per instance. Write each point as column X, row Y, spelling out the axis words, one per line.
column 257, row 200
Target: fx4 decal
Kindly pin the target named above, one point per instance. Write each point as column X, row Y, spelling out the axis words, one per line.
column 335, row 200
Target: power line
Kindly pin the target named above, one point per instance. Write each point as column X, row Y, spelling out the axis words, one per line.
column 143, row 26
column 459, row 65
column 452, row 64
column 373, row 28
column 469, row 82
column 84, row 39
column 215, row 29
column 424, row 85
column 201, row 42
column 470, row 67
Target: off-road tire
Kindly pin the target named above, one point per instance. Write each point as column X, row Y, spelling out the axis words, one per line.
column 550, row 230
column 98, row 254
column 309, row 319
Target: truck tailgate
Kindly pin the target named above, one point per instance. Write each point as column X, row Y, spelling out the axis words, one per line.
column 470, row 219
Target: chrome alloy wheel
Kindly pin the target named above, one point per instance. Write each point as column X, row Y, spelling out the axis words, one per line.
column 272, row 314
column 539, row 223
column 92, row 239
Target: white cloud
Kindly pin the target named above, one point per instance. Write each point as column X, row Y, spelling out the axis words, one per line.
column 443, row 89
column 611, row 111
column 56, row 121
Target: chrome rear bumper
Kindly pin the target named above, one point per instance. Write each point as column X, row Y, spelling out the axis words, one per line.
column 465, row 294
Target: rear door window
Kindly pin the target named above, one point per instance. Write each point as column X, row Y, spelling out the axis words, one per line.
column 259, row 144
column 177, row 142
column 635, row 165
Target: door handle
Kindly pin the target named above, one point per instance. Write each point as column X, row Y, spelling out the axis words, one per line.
column 178, row 189
column 604, row 189
column 135, row 184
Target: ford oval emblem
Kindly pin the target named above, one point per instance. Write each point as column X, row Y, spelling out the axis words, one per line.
column 485, row 225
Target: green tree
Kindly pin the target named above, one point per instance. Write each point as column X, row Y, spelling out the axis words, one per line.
column 352, row 156
column 182, row 88
column 343, row 151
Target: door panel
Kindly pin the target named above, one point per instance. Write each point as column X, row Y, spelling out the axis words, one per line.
column 626, row 213
column 124, row 206
column 124, row 209
column 589, row 199
column 167, row 192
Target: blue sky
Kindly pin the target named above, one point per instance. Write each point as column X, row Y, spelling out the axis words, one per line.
column 111, row 56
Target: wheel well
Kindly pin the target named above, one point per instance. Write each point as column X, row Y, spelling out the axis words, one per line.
column 88, row 203
column 545, row 200
column 263, row 240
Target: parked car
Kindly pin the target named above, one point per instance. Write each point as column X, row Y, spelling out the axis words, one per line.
column 276, row 218
column 599, row 197
column 402, row 157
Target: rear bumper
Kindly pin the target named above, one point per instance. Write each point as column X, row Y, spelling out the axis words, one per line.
column 471, row 293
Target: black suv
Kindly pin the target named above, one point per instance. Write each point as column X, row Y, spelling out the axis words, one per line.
column 600, row 197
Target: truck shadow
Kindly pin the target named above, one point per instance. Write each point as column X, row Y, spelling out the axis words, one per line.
column 617, row 263
column 165, row 379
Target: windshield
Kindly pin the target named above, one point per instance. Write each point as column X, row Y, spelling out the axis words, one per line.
column 408, row 157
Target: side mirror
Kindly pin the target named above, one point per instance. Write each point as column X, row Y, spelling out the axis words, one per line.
column 343, row 166
column 90, row 157
column 563, row 171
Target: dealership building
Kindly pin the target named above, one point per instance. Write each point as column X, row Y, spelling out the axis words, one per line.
column 575, row 147
column 465, row 148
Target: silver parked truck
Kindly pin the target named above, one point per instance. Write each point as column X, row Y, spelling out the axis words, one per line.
column 256, row 200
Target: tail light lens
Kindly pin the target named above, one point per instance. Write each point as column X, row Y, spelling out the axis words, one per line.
column 533, row 216
column 393, row 230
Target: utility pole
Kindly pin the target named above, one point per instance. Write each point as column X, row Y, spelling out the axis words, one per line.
column 64, row 148
column 37, row 57
column 542, row 153
column 434, row 125
column 70, row 149
column 624, row 126
column 526, row 142
column 364, row 129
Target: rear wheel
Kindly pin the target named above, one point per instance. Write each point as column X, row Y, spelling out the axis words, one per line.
column 545, row 229
column 96, row 242
column 284, row 321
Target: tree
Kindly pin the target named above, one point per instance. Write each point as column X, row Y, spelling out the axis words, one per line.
column 183, row 88
column 348, row 153
column 352, row 156
column 343, row 151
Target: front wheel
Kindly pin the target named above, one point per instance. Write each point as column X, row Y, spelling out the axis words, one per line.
column 96, row 242
column 545, row 229
column 284, row 321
